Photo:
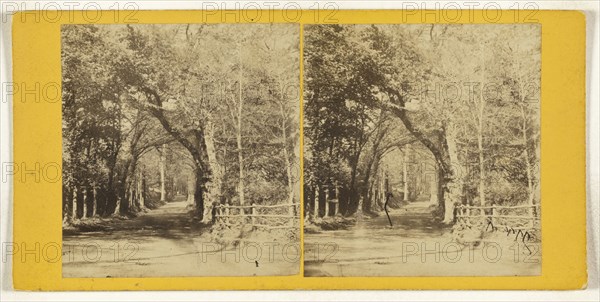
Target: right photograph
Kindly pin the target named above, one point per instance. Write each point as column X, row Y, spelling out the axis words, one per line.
column 422, row 150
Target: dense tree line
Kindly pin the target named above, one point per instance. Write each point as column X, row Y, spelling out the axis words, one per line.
column 463, row 98
column 150, row 112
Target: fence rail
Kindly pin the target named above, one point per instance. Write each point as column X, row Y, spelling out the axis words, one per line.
column 501, row 216
column 259, row 216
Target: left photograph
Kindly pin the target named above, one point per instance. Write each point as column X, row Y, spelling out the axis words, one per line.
column 180, row 150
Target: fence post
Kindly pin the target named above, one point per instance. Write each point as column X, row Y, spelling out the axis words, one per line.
column 493, row 214
column 253, row 213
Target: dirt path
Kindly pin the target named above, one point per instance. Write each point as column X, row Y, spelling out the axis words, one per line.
column 163, row 242
column 415, row 246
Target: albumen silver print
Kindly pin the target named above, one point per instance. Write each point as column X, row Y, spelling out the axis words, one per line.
column 421, row 150
column 181, row 150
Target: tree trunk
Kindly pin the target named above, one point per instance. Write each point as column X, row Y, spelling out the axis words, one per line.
column 326, row 202
column 286, row 157
column 94, row 200
column 530, row 189
column 74, row 205
column 439, row 147
column 454, row 181
column 85, row 208
column 372, row 183
column 316, row 207
column 366, row 192
column 140, row 200
column 163, row 192
column 336, row 206
column 199, row 189
column 126, row 204
column 351, row 205
column 481, row 158
column 373, row 162
column 433, row 190
column 215, row 185
column 405, row 171
column 131, row 185
column 194, row 149
column 110, row 197
column 241, row 188
column 117, row 211
column 66, row 197
column 240, row 107
column 130, row 197
column 381, row 188
column 111, row 188
column 65, row 220
column 122, row 189
column 190, row 189
column 481, row 108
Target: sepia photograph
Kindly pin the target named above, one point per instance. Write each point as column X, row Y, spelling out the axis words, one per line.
column 422, row 150
column 181, row 150
column 247, row 151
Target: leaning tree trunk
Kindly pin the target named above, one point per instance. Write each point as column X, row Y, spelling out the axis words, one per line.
column 202, row 170
column 444, row 150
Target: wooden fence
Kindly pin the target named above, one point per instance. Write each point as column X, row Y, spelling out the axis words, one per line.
column 522, row 217
column 279, row 216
